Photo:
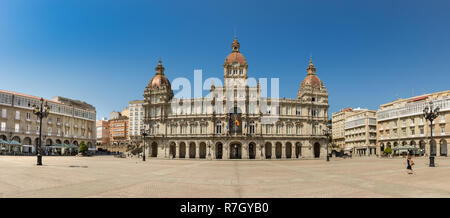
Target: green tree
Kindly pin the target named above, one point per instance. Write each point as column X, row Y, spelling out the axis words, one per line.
column 388, row 150
column 83, row 148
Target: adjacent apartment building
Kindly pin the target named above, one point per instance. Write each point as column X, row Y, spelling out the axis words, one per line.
column 338, row 130
column 118, row 131
column 361, row 132
column 136, row 120
column 69, row 122
column 102, row 132
column 402, row 122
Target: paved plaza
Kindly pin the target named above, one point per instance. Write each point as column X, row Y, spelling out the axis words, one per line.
column 107, row 176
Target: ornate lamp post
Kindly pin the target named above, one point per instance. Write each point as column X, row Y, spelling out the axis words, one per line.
column 144, row 133
column 430, row 113
column 326, row 132
column 41, row 112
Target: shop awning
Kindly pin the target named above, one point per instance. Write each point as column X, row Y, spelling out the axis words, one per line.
column 13, row 142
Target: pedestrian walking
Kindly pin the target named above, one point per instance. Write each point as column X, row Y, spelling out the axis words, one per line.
column 409, row 164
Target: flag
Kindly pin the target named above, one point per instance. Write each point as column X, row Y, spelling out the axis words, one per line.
column 237, row 122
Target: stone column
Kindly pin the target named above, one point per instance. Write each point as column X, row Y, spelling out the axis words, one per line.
column 225, row 151
column 293, row 154
column 283, row 151
column 245, row 151
column 188, row 146
column 197, row 151
column 274, row 154
column 210, row 152
column 177, row 151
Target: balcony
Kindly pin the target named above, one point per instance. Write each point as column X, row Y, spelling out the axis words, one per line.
column 58, row 123
column 442, row 121
column 67, row 124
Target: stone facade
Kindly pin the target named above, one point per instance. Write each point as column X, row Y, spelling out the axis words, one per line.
column 234, row 121
column 402, row 122
column 69, row 122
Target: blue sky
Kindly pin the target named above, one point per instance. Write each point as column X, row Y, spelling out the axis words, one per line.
column 104, row 52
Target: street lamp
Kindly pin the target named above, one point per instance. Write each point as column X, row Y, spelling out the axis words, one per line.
column 326, row 132
column 144, row 133
column 41, row 112
column 430, row 113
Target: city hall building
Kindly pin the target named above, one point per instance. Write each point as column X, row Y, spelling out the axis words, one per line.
column 235, row 121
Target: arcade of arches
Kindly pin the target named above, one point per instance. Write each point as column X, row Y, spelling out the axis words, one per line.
column 28, row 143
column 424, row 148
column 235, row 150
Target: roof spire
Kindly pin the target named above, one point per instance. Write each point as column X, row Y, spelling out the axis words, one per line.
column 235, row 45
column 311, row 68
column 160, row 68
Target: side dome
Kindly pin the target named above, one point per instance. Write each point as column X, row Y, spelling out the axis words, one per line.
column 311, row 78
column 159, row 80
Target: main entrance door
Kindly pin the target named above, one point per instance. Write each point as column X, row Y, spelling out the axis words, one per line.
column 251, row 151
column 316, row 150
column 235, row 151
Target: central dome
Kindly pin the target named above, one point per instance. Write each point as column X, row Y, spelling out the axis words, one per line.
column 235, row 56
